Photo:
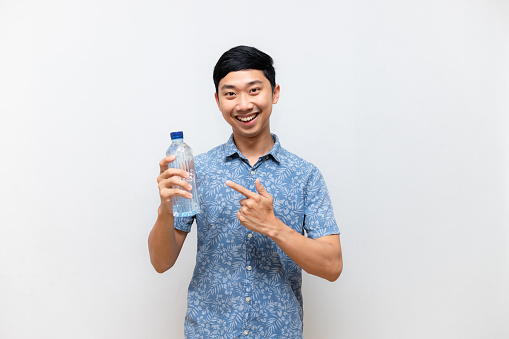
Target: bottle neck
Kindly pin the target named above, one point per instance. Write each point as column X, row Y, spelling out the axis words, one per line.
column 177, row 140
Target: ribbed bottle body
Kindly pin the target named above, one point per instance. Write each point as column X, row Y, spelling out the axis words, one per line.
column 183, row 207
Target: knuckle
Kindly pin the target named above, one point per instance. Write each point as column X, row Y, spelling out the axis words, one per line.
column 176, row 181
column 175, row 192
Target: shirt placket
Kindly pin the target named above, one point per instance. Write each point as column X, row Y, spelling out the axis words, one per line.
column 250, row 253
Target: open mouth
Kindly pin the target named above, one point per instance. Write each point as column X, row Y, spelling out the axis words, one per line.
column 247, row 118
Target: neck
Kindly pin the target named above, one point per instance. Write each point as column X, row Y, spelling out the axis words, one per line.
column 254, row 147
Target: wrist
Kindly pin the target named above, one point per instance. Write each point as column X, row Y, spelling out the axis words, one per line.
column 164, row 213
column 277, row 231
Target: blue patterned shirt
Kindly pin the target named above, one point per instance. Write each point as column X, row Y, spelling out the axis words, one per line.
column 243, row 284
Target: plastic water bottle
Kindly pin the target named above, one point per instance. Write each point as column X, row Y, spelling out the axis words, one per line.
column 183, row 207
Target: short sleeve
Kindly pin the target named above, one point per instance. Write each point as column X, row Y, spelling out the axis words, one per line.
column 319, row 218
column 183, row 223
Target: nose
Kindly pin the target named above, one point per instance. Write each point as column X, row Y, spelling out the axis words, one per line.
column 244, row 103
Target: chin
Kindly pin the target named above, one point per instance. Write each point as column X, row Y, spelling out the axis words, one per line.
column 246, row 134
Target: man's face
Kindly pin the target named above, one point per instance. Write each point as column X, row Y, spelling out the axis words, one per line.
column 245, row 98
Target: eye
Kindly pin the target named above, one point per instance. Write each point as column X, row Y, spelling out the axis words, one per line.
column 229, row 94
column 254, row 90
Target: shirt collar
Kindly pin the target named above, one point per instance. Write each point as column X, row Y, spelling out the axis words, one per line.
column 231, row 149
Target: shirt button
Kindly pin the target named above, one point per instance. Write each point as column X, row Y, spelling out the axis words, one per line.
column 249, row 268
column 250, row 235
column 248, row 299
column 246, row 332
column 252, row 172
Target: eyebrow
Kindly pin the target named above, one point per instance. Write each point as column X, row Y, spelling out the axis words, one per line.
column 251, row 83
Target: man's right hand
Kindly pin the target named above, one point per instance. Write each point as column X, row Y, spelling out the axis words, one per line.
column 167, row 180
column 165, row 241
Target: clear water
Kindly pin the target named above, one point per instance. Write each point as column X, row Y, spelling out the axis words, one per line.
column 183, row 207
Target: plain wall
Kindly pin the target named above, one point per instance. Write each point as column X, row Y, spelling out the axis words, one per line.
column 403, row 105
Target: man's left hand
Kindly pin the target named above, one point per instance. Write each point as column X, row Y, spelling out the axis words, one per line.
column 256, row 211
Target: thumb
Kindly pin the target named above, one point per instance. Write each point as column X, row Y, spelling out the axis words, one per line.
column 259, row 187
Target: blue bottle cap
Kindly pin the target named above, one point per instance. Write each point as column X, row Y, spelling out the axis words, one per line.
column 177, row 135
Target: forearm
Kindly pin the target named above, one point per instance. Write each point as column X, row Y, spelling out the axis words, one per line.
column 321, row 257
column 162, row 243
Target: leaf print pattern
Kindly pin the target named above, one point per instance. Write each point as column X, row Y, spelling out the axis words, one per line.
column 243, row 284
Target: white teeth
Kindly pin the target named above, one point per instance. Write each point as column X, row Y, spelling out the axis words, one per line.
column 247, row 119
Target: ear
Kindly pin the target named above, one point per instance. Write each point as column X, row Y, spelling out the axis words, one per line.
column 275, row 94
column 217, row 101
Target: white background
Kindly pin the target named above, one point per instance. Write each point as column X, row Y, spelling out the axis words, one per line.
column 403, row 105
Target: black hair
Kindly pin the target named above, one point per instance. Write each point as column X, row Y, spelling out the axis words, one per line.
column 242, row 58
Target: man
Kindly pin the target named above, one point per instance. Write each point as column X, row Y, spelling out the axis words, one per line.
column 257, row 201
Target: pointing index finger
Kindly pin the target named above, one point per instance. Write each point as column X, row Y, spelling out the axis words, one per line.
column 241, row 189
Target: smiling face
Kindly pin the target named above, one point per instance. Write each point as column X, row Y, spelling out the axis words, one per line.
column 245, row 99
